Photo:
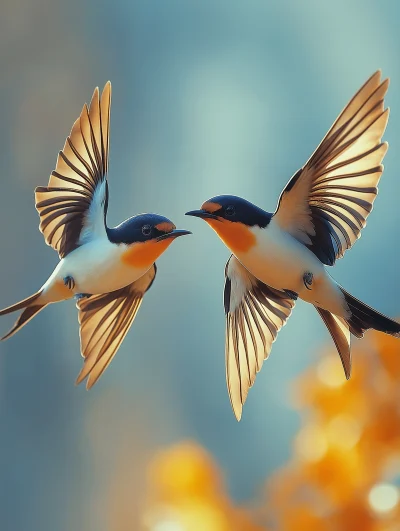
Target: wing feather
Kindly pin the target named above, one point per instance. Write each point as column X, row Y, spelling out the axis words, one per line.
column 326, row 204
column 255, row 313
column 104, row 322
column 72, row 207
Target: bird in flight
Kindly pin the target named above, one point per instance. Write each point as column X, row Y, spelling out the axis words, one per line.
column 277, row 258
column 108, row 270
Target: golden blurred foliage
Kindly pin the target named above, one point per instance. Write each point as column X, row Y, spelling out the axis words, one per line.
column 344, row 474
column 345, row 471
column 186, row 493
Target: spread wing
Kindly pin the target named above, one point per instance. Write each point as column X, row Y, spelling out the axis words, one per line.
column 104, row 322
column 326, row 203
column 73, row 206
column 255, row 313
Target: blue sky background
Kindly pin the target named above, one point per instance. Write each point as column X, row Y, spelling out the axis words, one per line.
column 209, row 97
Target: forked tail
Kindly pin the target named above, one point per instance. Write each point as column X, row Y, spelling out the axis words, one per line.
column 362, row 318
column 31, row 307
column 339, row 330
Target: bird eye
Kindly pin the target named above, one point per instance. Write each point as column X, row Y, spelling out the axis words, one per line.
column 230, row 210
column 146, row 230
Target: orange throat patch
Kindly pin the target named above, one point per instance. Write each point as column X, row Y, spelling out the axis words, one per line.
column 144, row 254
column 237, row 236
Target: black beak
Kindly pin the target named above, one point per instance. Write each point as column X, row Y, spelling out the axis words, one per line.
column 173, row 234
column 201, row 214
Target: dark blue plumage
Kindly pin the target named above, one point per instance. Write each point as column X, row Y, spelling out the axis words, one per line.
column 138, row 228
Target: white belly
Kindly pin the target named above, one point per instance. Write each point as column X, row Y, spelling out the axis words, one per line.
column 96, row 267
column 281, row 261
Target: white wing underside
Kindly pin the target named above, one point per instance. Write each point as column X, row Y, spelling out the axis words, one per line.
column 94, row 223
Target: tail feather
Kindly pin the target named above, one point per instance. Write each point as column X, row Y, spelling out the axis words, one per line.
column 24, row 318
column 21, row 304
column 363, row 317
column 30, row 310
column 340, row 333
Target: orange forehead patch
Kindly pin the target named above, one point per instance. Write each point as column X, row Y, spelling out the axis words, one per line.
column 144, row 254
column 165, row 226
column 237, row 236
column 210, row 207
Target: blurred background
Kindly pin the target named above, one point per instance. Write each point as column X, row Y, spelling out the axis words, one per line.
column 208, row 98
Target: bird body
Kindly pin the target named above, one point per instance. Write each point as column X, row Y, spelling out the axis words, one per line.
column 98, row 266
column 281, row 256
column 108, row 270
column 280, row 261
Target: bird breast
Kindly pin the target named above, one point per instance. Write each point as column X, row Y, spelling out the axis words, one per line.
column 100, row 267
column 279, row 260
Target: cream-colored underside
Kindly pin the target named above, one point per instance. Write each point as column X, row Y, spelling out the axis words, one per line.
column 96, row 267
column 280, row 261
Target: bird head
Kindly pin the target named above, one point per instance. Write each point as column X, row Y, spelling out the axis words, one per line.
column 233, row 219
column 146, row 237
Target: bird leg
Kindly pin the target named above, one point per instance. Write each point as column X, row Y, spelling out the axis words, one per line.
column 69, row 282
column 292, row 294
column 308, row 279
column 80, row 296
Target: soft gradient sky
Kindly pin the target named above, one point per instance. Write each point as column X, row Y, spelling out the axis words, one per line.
column 209, row 97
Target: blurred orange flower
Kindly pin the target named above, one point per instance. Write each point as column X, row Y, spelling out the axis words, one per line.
column 347, row 448
column 186, row 493
column 343, row 475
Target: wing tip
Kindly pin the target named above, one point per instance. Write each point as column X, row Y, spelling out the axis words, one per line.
column 346, row 364
column 386, row 83
column 237, row 412
column 90, row 383
column 107, row 92
column 237, row 407
column 84, row 373
column 80, row 378
column 94, row 102
column 376, row 75
column 96, row 92
column 84, row 114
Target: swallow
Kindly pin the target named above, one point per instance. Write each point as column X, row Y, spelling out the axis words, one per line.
column 107, row 270
column 277, row 258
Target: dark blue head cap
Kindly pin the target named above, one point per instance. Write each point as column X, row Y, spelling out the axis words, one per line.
column 140, row 228
column 236, row 209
